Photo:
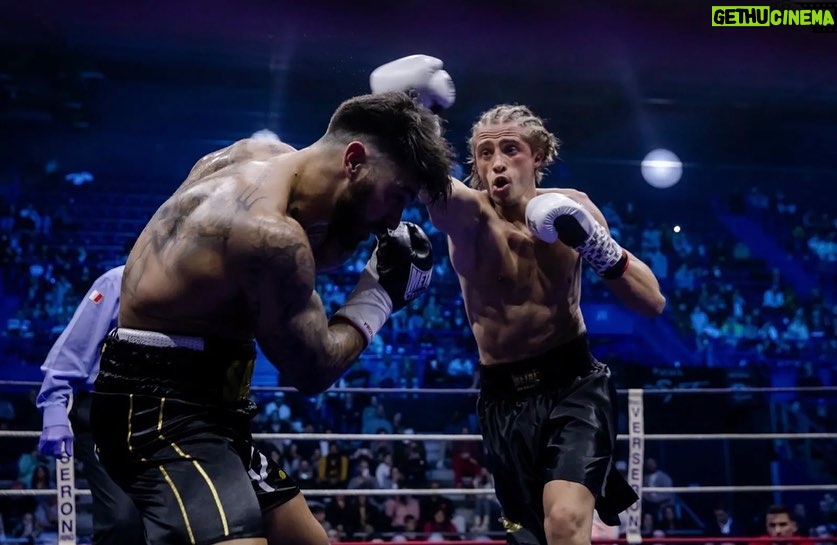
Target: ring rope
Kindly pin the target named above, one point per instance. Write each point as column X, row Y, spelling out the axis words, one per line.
column 17, row 434
column 636, row 437
column 477, row 437
column 319, row 492
column 474, row 391
column 702, row 540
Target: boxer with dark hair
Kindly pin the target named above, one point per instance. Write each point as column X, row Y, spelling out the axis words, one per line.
column 230, row 258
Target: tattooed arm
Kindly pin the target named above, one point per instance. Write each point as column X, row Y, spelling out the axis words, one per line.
column 291, row 324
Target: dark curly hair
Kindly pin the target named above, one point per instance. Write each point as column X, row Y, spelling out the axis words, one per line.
column 403, row 130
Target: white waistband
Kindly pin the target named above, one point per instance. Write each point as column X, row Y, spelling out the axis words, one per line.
column 159, row 340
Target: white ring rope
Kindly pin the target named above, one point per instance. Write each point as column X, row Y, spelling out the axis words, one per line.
column 474, row 391
column 636, row 437
column 475, row 437
column 489, row 491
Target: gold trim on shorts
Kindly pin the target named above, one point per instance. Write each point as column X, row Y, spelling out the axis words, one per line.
column 179, row 502
column 200, row 470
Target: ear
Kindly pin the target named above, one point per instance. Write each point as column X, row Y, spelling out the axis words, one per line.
column 538, row 159
column 353, row 158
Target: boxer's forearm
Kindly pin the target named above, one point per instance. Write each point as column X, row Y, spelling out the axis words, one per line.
column 638, row 288
column 345, row 343
column 313, row 354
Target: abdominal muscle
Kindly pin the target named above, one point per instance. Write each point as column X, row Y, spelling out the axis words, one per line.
column 507, row 333
column 521, row 295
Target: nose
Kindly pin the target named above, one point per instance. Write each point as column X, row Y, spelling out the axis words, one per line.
column 498, row 165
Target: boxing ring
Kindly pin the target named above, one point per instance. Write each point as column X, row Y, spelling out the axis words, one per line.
column 636, row 439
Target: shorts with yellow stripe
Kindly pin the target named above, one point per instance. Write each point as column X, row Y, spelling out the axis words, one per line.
column 171, row 421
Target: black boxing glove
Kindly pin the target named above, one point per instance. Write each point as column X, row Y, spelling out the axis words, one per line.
column 398, row 271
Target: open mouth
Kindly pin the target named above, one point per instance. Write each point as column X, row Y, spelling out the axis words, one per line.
column 501, row 182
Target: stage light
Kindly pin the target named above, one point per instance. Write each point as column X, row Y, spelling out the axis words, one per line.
column 662, row 168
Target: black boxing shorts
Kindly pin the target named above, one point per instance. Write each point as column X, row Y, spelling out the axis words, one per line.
column 171, row 420
column 551, row 417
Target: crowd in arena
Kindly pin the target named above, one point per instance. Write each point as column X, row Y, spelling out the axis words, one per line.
column 729, row 306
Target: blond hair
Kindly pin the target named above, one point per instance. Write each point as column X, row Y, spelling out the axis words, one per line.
column 535, row 134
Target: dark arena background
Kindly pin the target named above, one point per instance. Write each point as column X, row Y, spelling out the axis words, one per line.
column 727, row 400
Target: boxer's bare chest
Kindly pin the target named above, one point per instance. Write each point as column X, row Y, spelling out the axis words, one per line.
column 521, row 295
column 508, row 264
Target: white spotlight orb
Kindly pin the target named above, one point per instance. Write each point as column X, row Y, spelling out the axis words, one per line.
column 661, row 168
column 676, row 228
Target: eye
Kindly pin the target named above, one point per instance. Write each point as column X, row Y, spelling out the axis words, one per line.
column 485, row 152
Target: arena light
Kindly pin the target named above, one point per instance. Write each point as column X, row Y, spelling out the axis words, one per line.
column 661, row 168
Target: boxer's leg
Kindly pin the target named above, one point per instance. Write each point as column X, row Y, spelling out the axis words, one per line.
column 581, row 432
column 116, row 520
column 179, row 469
column 568, row 513
column 292, row 523
column 287, row 518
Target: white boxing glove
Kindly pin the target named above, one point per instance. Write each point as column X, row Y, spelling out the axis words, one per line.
column 552, row 216
column 421, row 74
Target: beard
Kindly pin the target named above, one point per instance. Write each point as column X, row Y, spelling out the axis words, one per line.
column 349, row 227
column 349, row 223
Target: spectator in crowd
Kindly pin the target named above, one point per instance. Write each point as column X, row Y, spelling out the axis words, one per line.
column 433, row 502
column 441, row 524
column 363, row 478
column 779, row 522
column 723, row 524
column 410, row 531
column 657, row 478
column 383, row 473
column 363, row 518
column 669, row 520
column 485, row 506
column 800, row 517
column 319, row 512
column 648, row 526
column 305, row 475
column 337, row 514
column 465, row 460
column 333, row 468
column 399, row 508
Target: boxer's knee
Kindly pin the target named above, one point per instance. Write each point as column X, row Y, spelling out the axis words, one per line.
column 567, row 525
column 568, row 513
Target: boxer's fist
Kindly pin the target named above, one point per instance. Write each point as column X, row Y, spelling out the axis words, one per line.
column 552, row 216
column 398, row 271
column 403, row 263
column 546, row 212
column 419, row 74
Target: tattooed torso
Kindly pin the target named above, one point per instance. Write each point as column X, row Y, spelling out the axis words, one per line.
column 182, row 276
